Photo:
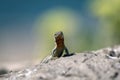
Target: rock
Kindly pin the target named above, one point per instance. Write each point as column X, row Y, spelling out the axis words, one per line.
column 103, row 64
column 3, row 71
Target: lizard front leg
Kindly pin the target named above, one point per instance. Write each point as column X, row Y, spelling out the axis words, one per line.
column 66, row 51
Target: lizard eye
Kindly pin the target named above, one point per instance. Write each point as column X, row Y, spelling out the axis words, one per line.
column 55, row 35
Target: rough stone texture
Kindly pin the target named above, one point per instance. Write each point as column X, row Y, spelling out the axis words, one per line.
column 103, row 64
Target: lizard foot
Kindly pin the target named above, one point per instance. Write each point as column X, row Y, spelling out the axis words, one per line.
column 66, row 55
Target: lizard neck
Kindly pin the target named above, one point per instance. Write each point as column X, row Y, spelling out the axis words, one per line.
column 60, row 45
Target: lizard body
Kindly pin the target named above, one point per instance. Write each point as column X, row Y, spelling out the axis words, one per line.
column 59, row 48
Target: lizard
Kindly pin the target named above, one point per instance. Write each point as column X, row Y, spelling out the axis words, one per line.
column 59, row 48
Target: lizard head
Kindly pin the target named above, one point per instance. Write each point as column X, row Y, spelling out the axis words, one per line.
column 59, row 36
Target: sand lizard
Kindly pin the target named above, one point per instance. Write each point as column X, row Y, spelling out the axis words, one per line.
column 59, row 47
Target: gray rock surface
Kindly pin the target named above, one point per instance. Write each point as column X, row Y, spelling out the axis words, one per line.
column 103, row 64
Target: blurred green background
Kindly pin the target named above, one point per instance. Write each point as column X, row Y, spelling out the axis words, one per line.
column 27, row 26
